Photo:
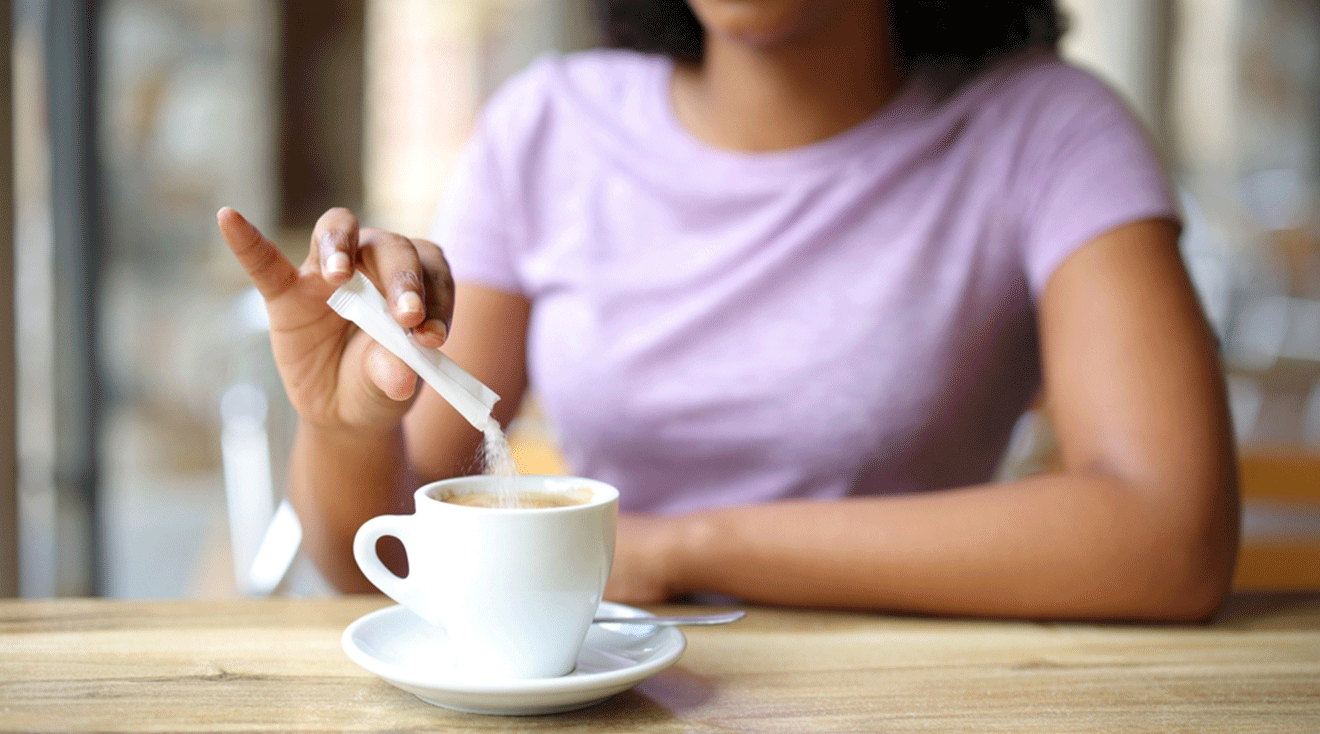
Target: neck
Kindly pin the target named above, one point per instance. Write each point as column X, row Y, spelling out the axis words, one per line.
column 762, row 97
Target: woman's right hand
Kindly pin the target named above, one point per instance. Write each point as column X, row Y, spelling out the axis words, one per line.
column 335, row 375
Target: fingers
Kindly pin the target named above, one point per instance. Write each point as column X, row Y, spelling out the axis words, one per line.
column 415, row 296
column 439, row 295
column 270, row 271
column 335, row 244
column 411, row 274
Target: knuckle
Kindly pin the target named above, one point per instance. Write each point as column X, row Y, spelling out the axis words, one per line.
column 332, row 239
column 395, row 240
column 427, row 248
column 436, row 253
column 267, row 263
column 370, row 234
column 406, row 280
column 251, row 242
column 265, row 260
column 384, row 240
column 441, row 284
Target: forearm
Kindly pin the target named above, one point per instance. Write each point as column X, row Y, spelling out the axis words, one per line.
column 1053, row 546
column 337, row 481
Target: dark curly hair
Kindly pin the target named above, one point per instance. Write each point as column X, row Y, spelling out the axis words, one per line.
column 947, row 34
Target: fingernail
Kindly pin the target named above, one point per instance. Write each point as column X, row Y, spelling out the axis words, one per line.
column 409, row 302
column 337, row 264
column 436, row 328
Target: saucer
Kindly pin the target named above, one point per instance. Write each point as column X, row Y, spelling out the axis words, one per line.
column 415, row 656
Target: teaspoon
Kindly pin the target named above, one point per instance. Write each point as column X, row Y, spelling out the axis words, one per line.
column 704, row 619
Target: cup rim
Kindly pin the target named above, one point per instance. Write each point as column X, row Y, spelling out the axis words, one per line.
column 603, row 493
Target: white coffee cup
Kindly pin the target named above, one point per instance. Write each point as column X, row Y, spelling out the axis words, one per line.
column 515, row 589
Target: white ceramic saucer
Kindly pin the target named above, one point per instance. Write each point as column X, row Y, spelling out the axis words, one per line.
column 408, row 653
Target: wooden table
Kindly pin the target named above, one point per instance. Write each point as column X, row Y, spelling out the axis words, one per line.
column 276, row 665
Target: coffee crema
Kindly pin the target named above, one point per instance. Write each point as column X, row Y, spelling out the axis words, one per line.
column 526, row 499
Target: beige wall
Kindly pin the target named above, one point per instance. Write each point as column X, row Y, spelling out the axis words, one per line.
column 1128, row 43
column 430, row 65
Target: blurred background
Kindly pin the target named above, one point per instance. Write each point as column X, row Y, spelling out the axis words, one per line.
column 142, row 426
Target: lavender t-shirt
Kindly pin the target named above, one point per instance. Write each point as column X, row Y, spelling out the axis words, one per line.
column 852, row 317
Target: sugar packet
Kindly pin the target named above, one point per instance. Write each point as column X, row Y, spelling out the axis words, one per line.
column 360, row 302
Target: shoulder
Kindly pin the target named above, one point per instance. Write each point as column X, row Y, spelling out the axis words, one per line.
column 1039, row 81
column 1076, row 160
column 1040, row 96
column 1038, row 117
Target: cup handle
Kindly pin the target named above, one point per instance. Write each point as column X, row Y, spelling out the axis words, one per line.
column 404, row 589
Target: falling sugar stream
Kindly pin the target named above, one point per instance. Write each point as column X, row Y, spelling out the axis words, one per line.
column 497, row 460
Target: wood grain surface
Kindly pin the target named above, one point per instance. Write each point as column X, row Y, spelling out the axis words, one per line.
column 277, row 665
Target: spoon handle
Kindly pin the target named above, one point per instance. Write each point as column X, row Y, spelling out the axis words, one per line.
column 705, row 619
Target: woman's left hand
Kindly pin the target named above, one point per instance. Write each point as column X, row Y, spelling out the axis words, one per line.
column 644, row 562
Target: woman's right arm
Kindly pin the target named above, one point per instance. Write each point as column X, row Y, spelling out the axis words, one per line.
column 354, row 453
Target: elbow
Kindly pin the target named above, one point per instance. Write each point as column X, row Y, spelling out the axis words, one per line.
column 1163, row 589
column 1176, row 561
column 1188, row 576
column 1195, row 599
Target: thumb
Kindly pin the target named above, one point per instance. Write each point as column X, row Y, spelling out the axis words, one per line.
column 389, row 373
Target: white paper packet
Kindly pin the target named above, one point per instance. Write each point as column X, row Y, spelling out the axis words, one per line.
column 360, row 302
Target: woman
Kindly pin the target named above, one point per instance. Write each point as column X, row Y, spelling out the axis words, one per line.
column 787, row 282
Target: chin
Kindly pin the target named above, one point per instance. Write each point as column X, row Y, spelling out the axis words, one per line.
column 767, row 22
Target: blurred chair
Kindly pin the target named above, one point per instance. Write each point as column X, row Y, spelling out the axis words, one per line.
column 255, row 438
column 263, row 541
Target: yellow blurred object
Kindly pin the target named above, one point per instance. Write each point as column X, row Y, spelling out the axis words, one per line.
column 1282, row 484
column 533, row 444
column 536, row 456
column 1278, row 566
column 1281, row 474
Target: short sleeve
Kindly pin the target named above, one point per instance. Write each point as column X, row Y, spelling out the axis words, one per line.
column 472, row 225
column 1091, row 169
